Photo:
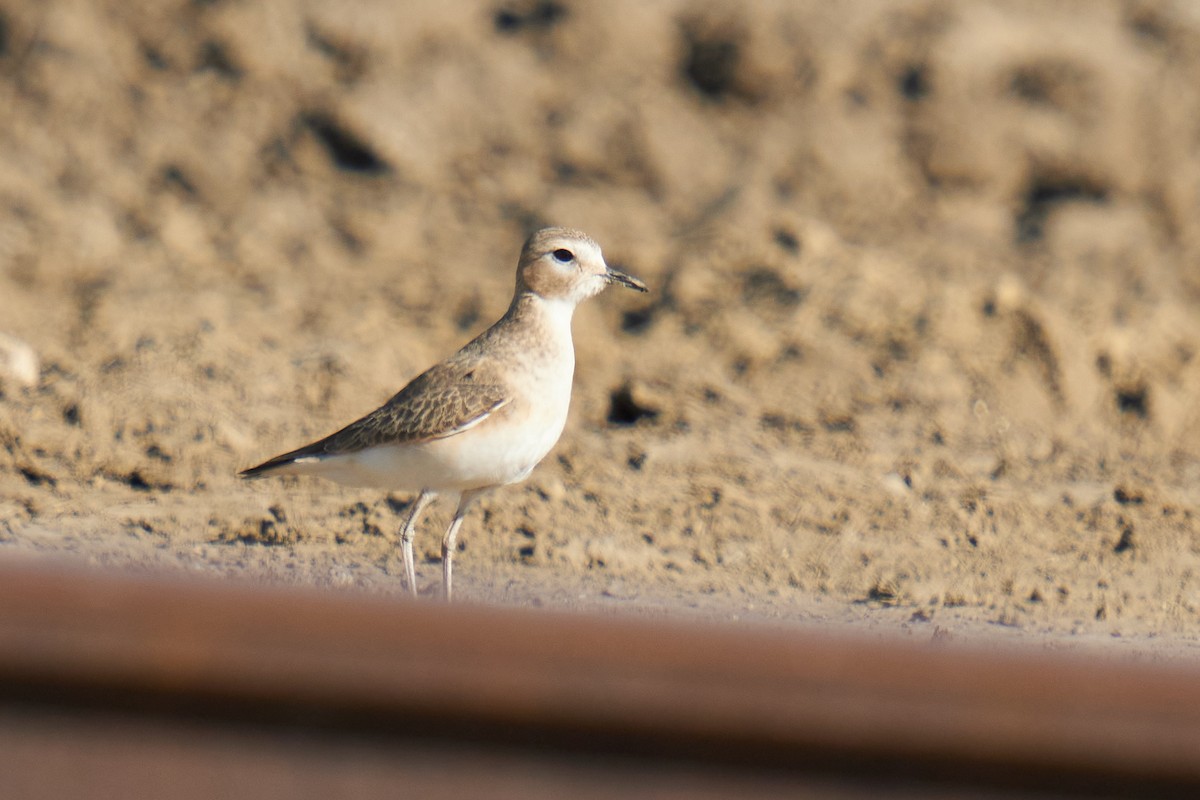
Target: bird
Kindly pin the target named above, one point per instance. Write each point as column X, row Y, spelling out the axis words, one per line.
column 485, row 416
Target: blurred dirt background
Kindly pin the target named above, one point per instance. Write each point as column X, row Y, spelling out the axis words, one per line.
column 921, row 352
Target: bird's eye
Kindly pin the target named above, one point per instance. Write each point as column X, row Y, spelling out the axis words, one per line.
column 563, row 256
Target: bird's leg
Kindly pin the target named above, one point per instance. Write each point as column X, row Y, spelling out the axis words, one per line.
column 406, row 536
column 464, row 503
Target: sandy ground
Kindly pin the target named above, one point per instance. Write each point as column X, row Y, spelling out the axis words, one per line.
column 920, row 354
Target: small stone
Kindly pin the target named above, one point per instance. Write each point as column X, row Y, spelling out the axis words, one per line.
column 18, row 361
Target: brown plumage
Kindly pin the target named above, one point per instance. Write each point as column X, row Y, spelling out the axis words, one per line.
column 485, row 416
column 442, row 401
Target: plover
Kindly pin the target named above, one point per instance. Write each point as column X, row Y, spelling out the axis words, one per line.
column 485, row 416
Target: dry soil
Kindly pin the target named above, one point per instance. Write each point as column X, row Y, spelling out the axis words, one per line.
column 922, row 352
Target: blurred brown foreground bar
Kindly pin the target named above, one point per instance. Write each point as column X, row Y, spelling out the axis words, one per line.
column 118, row 686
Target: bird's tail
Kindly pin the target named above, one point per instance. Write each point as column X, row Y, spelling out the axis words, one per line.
column 279, row 465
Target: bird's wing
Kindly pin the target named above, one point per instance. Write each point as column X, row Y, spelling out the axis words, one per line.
column 444, row 401
column 433, row 406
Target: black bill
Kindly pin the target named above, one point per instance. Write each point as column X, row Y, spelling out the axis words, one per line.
column 616, row 276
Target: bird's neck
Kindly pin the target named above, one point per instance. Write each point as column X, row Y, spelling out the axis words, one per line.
column 537, row 333
column 551, row 314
